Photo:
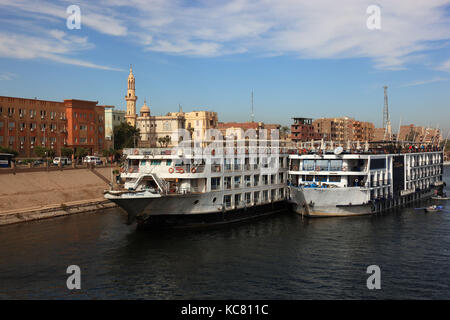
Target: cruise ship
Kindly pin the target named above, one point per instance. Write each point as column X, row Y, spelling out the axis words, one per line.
column 179, row 187
column 325, row 180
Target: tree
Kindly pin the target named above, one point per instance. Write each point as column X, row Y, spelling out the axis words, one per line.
column 41, row 152
column 81, row 153
column 164, row 141
column 284, row 132
column 108, row 152
column 66, row 152
column 125, row 136
column 8, row 150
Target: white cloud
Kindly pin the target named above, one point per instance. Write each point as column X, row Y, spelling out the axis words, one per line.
column 445, row 66
column 303, row 28
column 55, row 46
column 422, row 82
column 6, row 76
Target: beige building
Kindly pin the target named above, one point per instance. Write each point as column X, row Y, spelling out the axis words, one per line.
column 379, row 134
column 199, row 121
column 238, row 129
column 419, row 134
column 344, row 129
column 154, row 127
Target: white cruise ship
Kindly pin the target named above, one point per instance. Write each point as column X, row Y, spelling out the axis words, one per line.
column 175, row 187
column 329, row 181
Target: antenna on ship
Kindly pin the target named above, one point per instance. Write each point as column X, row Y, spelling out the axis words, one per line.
column 386, row 119
column 253, row 115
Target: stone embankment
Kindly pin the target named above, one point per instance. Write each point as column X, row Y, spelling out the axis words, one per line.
column 32, row 195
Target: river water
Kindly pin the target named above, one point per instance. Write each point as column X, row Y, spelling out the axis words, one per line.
column 277, row 257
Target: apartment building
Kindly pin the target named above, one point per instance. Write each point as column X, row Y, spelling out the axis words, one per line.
column 27, row 123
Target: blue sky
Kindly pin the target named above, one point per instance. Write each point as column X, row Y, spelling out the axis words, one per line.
column 301, row 58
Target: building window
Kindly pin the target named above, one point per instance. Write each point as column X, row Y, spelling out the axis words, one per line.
column 82, row 140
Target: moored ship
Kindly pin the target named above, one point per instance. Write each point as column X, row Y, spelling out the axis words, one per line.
column 182, row 188
column 325, row 181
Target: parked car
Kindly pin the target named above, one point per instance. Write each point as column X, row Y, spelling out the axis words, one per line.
column 92, row 159
column 37, row 163
column 63, row 160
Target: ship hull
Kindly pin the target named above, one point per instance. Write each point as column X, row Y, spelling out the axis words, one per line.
column 323, row 203
column 193, row 210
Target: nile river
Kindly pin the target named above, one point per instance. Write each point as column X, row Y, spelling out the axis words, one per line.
column 278, row 257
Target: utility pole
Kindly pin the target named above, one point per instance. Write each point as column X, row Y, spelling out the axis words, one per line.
column 386, row 119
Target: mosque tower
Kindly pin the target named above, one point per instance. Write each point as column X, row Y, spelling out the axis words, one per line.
column 131, row 100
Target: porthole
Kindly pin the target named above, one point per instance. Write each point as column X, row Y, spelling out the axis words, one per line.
column 196, row 201
column 214, row 200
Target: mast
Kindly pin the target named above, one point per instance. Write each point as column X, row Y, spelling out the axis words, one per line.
column 253, row 115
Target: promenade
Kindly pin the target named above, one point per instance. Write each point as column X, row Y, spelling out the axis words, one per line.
column 35, row 193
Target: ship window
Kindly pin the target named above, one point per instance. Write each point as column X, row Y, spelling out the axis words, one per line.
column 168, row 162
column 321, row 179
column 256, row 197
column 377, row 164
column 336, row 165
column 309, row 178
column 273, row 193
column 227, row 200
column 155, row 162
column 308, row 165
column 248, row 197
column 322, row 165
column 237, row 199
column 334, row 179
column 143, row 162
column 215, row 183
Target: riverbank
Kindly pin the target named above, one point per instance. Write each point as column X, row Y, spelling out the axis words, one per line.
column 28, row 196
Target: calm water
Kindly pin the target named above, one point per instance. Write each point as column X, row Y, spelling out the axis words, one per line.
column 278, row 257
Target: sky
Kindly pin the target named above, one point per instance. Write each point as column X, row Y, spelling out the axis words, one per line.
column 301, row 58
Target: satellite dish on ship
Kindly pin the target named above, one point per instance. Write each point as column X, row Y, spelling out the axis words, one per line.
column 338, row 150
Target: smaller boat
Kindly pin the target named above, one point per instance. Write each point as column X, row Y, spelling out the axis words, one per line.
column 433, row 208
column 440, row 198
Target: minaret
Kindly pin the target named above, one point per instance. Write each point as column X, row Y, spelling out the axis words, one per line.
column 131, row 100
